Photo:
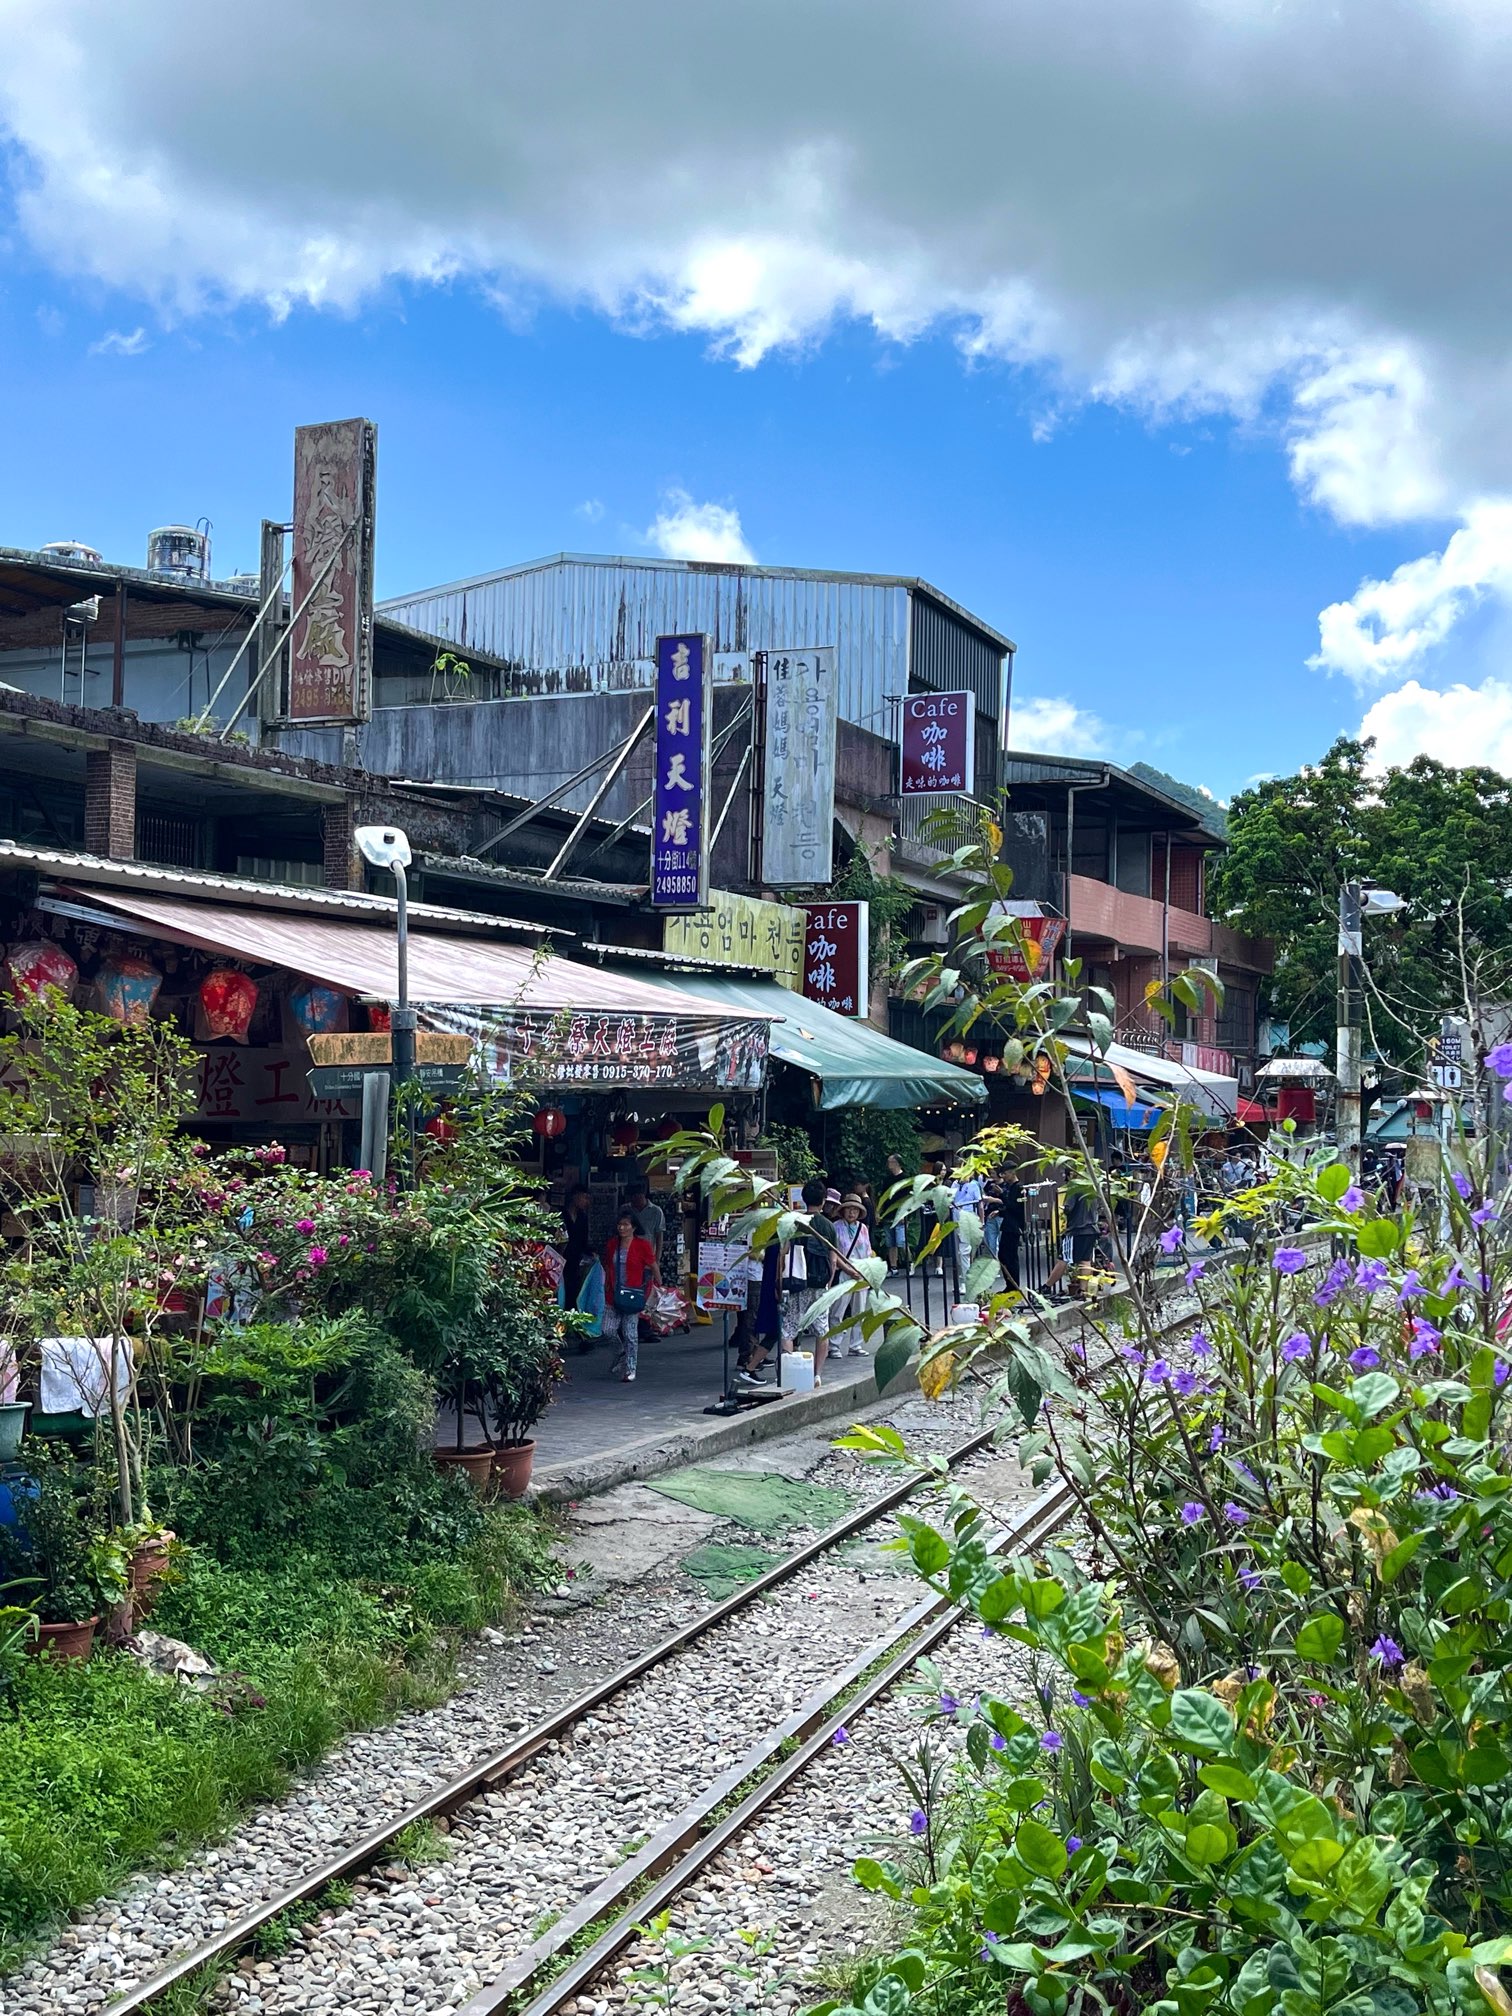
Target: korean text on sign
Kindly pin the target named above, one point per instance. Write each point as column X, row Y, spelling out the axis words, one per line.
column 679, row 869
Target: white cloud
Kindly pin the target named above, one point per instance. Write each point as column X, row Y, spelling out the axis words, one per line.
column 114, row 344
column 685, row 530
column 1460, row 726
column 592, row 509
column 1049, row 726
column 1386, row 627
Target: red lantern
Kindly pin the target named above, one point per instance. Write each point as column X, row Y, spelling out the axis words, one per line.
column 440, row 1128
column 550, row 1122
column 227, row 999
column 970, row 1055
column 991, row 1063
column 32, row 969
column 625, row 1135
column 379, row 1017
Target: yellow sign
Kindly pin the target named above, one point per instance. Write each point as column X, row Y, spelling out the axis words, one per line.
column 742, row 931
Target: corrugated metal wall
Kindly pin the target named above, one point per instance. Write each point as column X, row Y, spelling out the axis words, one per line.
column 585, row 626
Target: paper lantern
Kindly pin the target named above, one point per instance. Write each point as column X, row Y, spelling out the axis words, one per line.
column 227, row 999
column 625, row 1134
column 970, row 1055
column 380, row 1019
column 319, row 1011
column 128, row 987
column 439, row 1128
column 31, row 969
column 991, row 1063
column 550, row 1122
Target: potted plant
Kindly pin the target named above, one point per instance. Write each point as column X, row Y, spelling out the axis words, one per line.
column 524, row 1370
column 148, row 1548
column 12, row 1408
column 75, row 1574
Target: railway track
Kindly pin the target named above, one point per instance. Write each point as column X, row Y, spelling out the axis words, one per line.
column 551, row 1970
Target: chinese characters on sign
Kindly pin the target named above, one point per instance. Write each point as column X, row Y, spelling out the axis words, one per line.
column 598, row 1052
column 330, row 659
column 1028, row 952
column 742, row 931
column 269, row 1086
column 939, row 743
column 798, row 812
column 679, row 851
column 836, row 956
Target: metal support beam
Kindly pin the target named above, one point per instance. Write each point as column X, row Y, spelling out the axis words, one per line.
column 544, row 804
column 611, row 778
column 719, row 823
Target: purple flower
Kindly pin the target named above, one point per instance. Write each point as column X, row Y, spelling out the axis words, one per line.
column 1462, row 1184
column 1246, row 1473
column 1081, row 1700
column 305, row 1225
column 317, row 1256
column 1249, row 1578
column 1485, row 1216
column 948, row 1704
column 1388, row 1653
column 1424, row 1338
column 1073, row 1844
column 1132, row 1353
column 1288, row 1260
column 1201, row 1347
column 1499, row 1060
column 1157, row 1371
column 1331, row 1284
column 1171, row 1239
column 1499, row 1372
column 1364, row 1359
column 1195, row 1272
column 1455, row 1279
column 1411, row 1287
column 918, row 1823
column 1053, row 1741
column 1235, row 1514
column 1215, row 1440
column 1353, row 1199
column 1370, row 1275
column 1186, row 1384
column 1299, row 1346
column 989, row 1940
column 999, row 1741
column 1191, row 1512
column 1444, row 1492
column 840, row 1738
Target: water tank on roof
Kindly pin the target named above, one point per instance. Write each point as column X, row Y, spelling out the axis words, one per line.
column 179, row 552
column 73, row 552
column 241, row 584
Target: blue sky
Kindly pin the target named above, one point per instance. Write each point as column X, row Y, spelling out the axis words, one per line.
column 1168, row 335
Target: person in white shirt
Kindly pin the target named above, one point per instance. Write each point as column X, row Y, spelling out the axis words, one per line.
column 853, row 1242
column 966, row 1196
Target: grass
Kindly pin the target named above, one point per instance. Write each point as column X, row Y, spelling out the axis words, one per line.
column 106, row 1768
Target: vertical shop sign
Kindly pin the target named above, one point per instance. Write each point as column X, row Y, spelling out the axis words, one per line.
column 939, row 743
column 331, row 648
column 679, row 831
column 798, row 814
column 836, row 956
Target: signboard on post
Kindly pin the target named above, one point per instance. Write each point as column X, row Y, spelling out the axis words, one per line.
column 836, row 956
column 798, row 800
column 331, row 637
column 1030, row 953
column 742, row 931
column 938, row 744
column 679, row 830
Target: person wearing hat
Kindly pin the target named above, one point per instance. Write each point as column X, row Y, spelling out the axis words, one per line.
column 852, row 1242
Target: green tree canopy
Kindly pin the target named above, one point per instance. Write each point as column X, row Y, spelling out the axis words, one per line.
column 1441, row 838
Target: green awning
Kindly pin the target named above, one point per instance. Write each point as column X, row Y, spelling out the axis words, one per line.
column 855, row 1064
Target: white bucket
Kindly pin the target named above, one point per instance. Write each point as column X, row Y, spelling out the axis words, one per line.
column 797, row 1371
column 962, row 1313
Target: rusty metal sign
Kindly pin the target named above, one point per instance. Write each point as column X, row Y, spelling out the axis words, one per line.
column 331, row 642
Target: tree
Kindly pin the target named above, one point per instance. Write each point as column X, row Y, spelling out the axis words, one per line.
column 1441, row 838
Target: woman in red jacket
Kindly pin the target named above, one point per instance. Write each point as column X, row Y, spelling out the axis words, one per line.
column 630, row 1273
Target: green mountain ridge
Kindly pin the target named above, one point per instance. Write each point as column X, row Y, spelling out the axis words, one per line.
column 1213, row 815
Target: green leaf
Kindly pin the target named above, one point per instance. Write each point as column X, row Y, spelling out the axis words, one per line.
column 1296, row 1577
column 1320, row 1637
column 874, row 1875
column 1396, row 1558
column 1206, row 1843
column 1200, row 1720
column 892, row 1356
column 1333, row 1181
column 1227, row 1779
column 928, row 1550
column 1313, row 1859
column 1378, row 1238
column 1039, row 1849
column 1373, row 1393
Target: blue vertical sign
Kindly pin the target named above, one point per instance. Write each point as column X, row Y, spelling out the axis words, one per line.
column 679, row 854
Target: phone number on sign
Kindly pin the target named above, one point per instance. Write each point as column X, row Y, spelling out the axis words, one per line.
column 677, row 885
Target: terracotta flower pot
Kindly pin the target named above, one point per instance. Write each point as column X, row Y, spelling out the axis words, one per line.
column 476, row 1465
column 149, row 1562
column 65, row 1641
column 512, row 1466
column 120, row 1621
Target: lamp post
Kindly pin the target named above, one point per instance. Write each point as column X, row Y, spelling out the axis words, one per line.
column 388, row 847
column 1356, row 902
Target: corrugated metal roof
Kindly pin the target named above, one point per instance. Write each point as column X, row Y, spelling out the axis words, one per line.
column 96, row 869
column 468, row 868
column 673, row 962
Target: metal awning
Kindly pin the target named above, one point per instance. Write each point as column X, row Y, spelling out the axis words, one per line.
column 1209, row 1091
column 1135, row 1118
column 855, row 1064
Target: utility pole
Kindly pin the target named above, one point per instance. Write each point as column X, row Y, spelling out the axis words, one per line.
column 1348, row 1061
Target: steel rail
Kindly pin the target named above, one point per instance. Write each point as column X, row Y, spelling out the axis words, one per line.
column 682, row 1849
column 493, row 1770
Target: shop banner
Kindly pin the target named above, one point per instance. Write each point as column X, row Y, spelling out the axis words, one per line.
column 742, row 931
column 798, row 803
column 269, row 1086
column 603, row 1053
column 725, row 1268
column 939, row 743
column 1035, row 956
column 679, row 829
column 331, row 652
column 837, row 956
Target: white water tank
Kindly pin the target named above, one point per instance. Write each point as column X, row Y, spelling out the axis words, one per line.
column 72, row 552
column 179, row 553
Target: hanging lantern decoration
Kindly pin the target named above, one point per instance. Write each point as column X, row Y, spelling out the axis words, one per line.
column 956, row 1051
column 624, row 1134
column 128, row 987
column 34, row 968
column 969, row 1056
column 380, row 1018
column 990, row 1063
column 1041, row 1080
column 550, row 1123
column 227, row 999
column 319, row 1011
column 440, row 1128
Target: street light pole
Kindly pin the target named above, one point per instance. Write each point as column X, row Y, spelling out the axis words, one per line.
column 403, row 1019
column 1348, row 1059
